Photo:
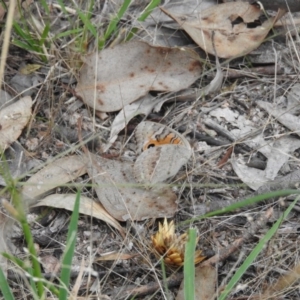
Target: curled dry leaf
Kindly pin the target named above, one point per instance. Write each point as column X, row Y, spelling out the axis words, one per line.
column 117, row 76
column 143, row 106
column 13, row 119
column 228, row 30
column 55, row 174
column 122, row 197
column 86, row 206
column 254, row 178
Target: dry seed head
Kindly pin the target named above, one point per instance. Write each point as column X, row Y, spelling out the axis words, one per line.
column 170, row 246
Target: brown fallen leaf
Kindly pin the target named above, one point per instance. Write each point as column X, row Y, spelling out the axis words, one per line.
column 227, row 30
column 115, row 77
column 13, row 119
column 122, row 197
column 205, row 284
column 283, row 283
column 29, row 68
column 87, row 207
column 56, row 173
column 50, row 264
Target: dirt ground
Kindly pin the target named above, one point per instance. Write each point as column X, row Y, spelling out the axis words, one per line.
column 244, row 137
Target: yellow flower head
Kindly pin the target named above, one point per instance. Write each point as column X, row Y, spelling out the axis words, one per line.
column 171, row 246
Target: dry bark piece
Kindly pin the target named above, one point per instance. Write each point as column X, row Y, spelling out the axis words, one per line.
column 13, row 119
column 117, row 76
column 227, row 30
column 122, row 197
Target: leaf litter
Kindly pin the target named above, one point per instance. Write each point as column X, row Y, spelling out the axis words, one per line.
column 227, row 117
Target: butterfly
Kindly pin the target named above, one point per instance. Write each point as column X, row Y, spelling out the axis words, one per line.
column 161, row 151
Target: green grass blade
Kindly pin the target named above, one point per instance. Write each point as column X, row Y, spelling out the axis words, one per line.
column 20, row 263
column 19, row 214
column 189, row 265
column 243, row 203
column 22, row 45
column 21, row 33
column 254, row 253
column 144, row 15
column 45, row 6
column 62, row 6
column 164, row 276
column 44, row 34
column 4, row 287
column 148, row 10
column 87, row 23
column 113, row 23
column 70, row 247
column 68, row 33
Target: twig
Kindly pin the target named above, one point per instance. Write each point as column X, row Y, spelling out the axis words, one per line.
column 152, row 287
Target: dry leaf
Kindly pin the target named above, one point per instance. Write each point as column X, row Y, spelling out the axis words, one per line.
column 87, row 207
column 29, row 68
column 13, row 119
column 282, row 115
column 228, row 29
column 141, row 107
column 122, row 197
column 56, row 173
column 115, row 77
column 254, row 178
column 205, row 283
column 282, row 284
column 50, row 263
column 115, row 256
